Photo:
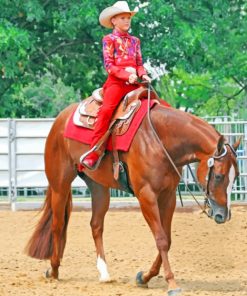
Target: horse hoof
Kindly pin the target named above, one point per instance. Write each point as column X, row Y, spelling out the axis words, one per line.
column 139, row 280
column 174, row 292
column 105, row 280
column 47, row 274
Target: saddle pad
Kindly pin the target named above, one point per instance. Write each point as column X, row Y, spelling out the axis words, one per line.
column 123, row 142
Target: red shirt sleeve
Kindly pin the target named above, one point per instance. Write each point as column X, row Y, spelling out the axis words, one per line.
column 140, row 69
column 109, row 63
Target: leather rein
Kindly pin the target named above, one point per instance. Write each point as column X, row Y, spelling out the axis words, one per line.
column 210, row 162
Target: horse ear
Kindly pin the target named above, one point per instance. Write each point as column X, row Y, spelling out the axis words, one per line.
column 220, row 144
column 236, row 144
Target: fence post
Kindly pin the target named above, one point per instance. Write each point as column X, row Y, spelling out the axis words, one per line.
column 9, row 161
column 12, row 164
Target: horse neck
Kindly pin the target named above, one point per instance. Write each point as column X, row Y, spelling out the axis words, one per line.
column 186, row 137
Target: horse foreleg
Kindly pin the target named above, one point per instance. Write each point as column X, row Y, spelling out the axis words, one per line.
column 142, row 278
column 166, row 204
column 150, row 210
column 100, row 205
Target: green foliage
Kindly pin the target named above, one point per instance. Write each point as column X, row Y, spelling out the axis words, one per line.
column 50, row 51
column 204, row 46
column 200, row 94
column 14, row 47
column 44, row 98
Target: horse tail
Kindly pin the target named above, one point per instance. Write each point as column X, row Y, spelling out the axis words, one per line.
column 68, row 208
column 40, row 245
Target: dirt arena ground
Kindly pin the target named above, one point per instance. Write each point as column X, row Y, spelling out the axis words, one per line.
column 207, row 259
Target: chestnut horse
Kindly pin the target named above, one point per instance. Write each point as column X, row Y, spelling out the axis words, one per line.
column 154, row 180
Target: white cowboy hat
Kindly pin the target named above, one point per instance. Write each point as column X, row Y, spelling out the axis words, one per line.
column 108, row 13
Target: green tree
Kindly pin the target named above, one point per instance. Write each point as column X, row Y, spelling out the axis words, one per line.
column 202, row 43
column 39, row 37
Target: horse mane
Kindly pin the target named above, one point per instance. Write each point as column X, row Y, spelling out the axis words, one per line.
column 188, row 118
column 183, row 125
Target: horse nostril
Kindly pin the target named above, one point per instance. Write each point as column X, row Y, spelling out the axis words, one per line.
column 219, row 219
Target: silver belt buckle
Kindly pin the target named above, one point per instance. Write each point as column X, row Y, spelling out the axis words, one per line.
column 130, row 70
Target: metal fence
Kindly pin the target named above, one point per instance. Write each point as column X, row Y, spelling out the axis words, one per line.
column 232, row 130
column 5, row 179
column 22, row 175
column 22, row 152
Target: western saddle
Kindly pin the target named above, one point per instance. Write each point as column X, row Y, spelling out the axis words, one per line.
column 86, row 113
column 86, row 116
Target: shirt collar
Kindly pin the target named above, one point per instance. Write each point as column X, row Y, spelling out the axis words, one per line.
column 121, row 34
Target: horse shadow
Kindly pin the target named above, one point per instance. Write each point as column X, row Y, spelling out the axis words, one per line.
column 214, row 285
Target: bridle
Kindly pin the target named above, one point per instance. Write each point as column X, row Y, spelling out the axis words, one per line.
column 210, row 161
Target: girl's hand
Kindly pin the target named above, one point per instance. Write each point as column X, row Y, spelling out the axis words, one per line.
column 133, row 78
column 146, row 78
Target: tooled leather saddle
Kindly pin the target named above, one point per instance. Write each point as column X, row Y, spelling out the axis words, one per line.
column 86, row 113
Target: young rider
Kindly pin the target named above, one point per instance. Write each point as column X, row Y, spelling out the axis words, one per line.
column 123, row 63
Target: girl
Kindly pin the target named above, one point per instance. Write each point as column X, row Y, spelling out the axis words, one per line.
column 123, row 62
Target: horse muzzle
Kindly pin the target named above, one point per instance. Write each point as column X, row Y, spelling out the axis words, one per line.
column 220, row 214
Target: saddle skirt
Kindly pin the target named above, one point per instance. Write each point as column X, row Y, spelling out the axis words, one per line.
column 86, row 113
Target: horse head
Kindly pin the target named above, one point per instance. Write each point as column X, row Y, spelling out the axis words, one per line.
column 217, row 173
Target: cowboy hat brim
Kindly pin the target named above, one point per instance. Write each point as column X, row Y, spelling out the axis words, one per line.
column 108, row 13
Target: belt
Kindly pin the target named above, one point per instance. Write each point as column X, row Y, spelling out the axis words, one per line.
column 131, row 70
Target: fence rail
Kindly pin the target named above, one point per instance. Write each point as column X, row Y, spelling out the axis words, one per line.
column 22, row 152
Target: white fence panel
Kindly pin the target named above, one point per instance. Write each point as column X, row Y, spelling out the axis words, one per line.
column 30, row 179
column 22, row 143
column 33, row 127
column 30, row 138
column 4, row 179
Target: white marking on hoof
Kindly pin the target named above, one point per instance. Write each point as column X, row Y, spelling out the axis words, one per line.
column 105, row 280
column 102, row 268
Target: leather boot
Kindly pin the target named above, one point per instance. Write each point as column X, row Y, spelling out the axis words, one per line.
column 90, row 160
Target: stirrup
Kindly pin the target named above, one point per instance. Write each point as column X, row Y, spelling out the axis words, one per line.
column 83, row 156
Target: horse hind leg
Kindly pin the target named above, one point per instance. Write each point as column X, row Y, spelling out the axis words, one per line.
column 100, row 205
column 49, row 238
column 61, row 209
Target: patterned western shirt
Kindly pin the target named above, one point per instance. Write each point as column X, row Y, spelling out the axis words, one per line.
column 120, row 51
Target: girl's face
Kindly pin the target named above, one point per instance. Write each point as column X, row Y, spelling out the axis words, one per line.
column 122, row 21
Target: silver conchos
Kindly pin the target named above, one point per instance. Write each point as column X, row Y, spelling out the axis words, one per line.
column 210, row 162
